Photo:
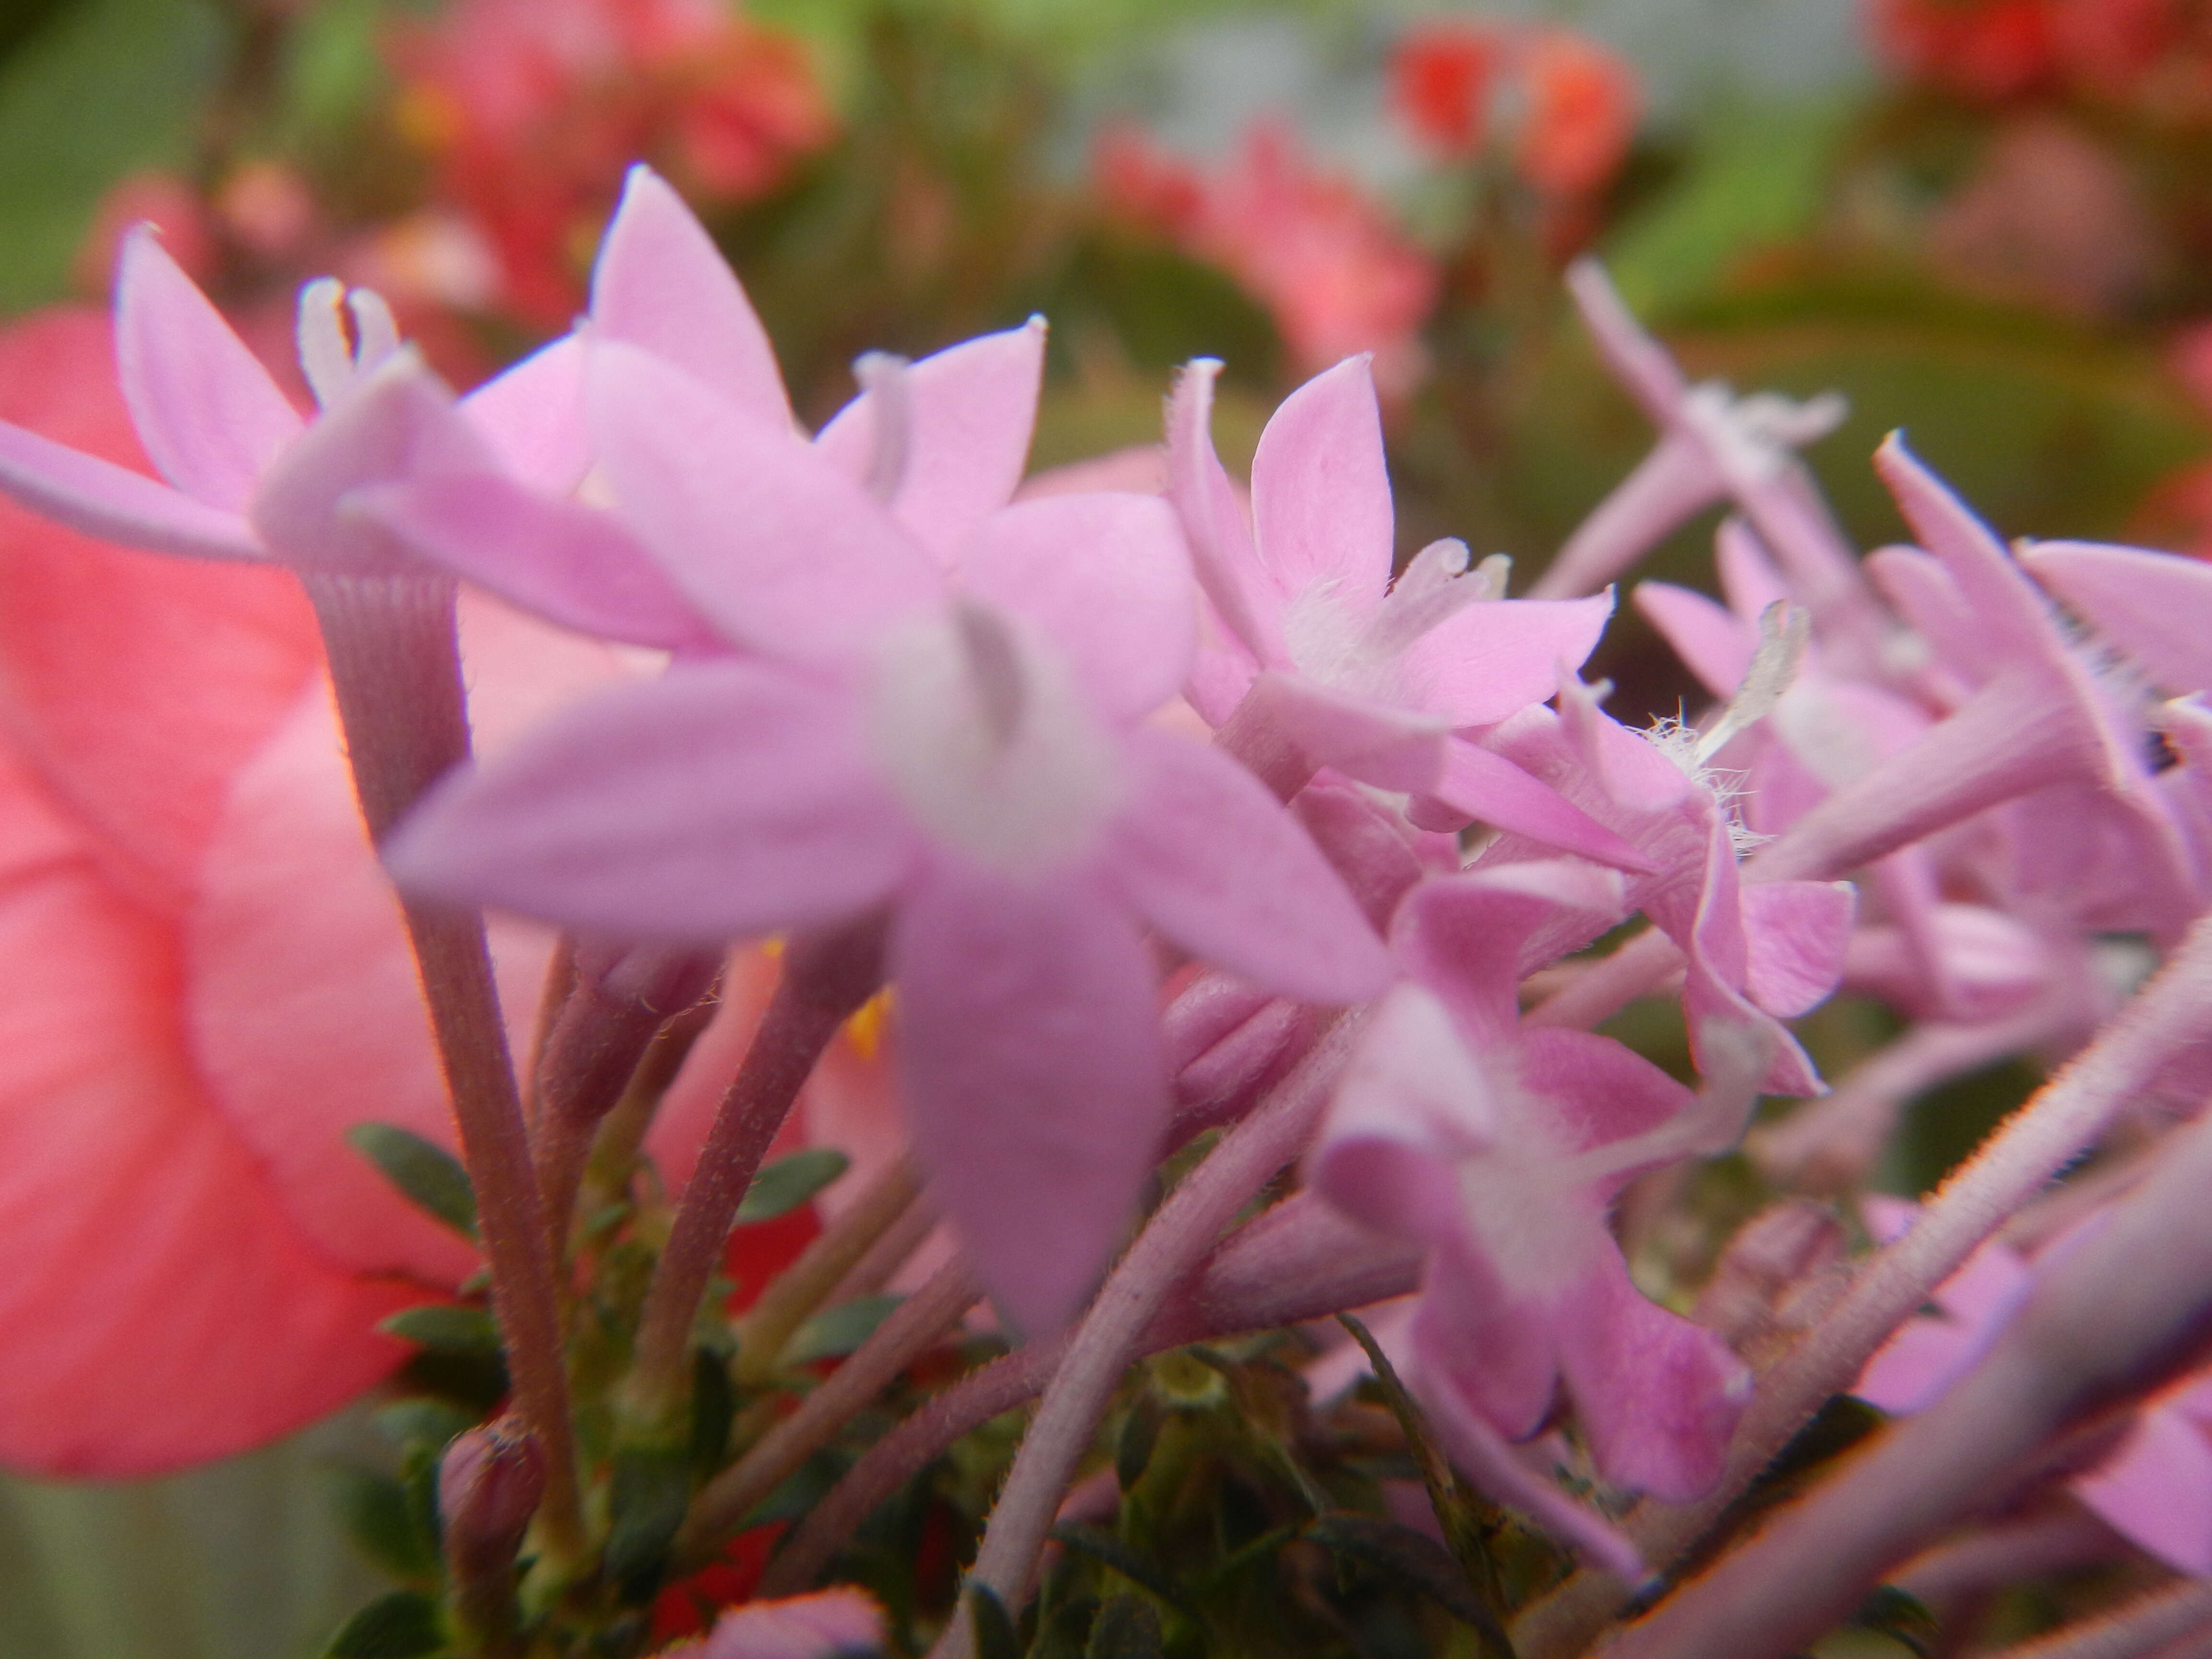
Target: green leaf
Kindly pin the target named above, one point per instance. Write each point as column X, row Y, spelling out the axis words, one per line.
column 425, row 1423
column 381, row 1520
column 835, row 1332
column 714, row 1409
column 427, row 1175
column 106, row 88
column 1412, row 1559
column 788, row 1183
column 403, row 1624
column 1903, row 1618
column 652, row 1490
column 1110, row 1550
column 1126, row 1628
column 1133, row 1446
column 445, row 1328
column 995, row 1636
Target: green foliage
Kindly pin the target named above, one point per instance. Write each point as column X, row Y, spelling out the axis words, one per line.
column 99, row 89
column 646, row 1502
column 783, row 1186
column 835, row 1332
column 427, row 1175
column 445, row 1328
column 382, row 1520
column 404, row 1625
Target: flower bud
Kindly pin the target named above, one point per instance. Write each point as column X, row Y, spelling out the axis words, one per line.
column 488, row 1486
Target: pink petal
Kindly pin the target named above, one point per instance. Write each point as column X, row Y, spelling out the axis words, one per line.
column 1221, row 547
column 572, row 564
column 777, row 548
column 143, row 1242
column 971, row 409
column 2157, row 607
column 662, row 285
column 1468, row 937
column 1361, row 737
column 112, row 503
column 723, row 800
column 1378, row 854
column 1598, row 1090
column 1490, row 660
column 398, row 422
column 206, row 411
column 1108, row 578
column 1998, row 599
column 1917, row 584
column 533, row 416
column 1796, row 932
column 1675, row 480
column 135, row 686
column 1712, row 641
column 1656, row 1396
column 2156, row 1489
column 1492, row 789
column 1035, row 1089
column 1215, row 863
column 1412, row 1102
column 817, row 1626
column 1321, row 488
column 1749, row 581
column 1638, row 361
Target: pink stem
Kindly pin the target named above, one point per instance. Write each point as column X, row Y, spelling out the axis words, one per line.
column 825, row 979
column 395, row 668
column 1172, row 1243
column 2064, row 1116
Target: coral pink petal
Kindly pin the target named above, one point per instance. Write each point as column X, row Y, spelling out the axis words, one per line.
column 723, row 800
column 818, row 1626
column 143, row 1241
column 1488, row 661
column 1035, row 1089
column 533, row 415
column 2156, row 1489
column 304, row 1006
column 114, row 503
column 206, row 411
column 1221, row 547
column 1321, row 489
column 1795, row 932
column 572, row 564
column 971, row 409
column 1492, row 789
column 2157, row 607
column 662, row 285
column 136, row 686
column 1108, row 578
column 1656, row 1396
column 1712, row 642
column 780, row 550
column 398, row 422
column 1216, row 863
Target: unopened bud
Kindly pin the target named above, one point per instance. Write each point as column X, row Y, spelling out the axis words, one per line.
column 489, row 1485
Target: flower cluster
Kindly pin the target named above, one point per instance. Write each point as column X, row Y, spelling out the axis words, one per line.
column 1154, row 815
column 2152, row 57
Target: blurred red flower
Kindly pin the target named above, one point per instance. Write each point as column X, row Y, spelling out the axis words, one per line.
column 1441, row 79
column 1322, row 256
column 532, row 109
column 1986, row 50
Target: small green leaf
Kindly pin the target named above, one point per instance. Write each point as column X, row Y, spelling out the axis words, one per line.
column 1126, row 1628
column 427, row 1423
column 835, row 1332
column 445, row 1328
column 714, row 1408
column 652, row 1490
column 1109, row 1549
column 995, row 1636
column 427, row 1175
column 403, row 1624
column 378, row 1516
column 788, row 1183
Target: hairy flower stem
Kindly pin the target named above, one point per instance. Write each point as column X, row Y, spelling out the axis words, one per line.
column 826, row 978
column 914, row 1327
column 613, row 1162
column 395, row 667
column 803, row 1286
column 2108, row 1318
column 609, row 1019
column 1177, row 1238
column 1299, row 1260
column 2173, row 1010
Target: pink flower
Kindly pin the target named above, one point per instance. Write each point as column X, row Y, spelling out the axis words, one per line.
column 1500, row 1148
column 948, row 731
column 817, row 1626
column 1316, row 645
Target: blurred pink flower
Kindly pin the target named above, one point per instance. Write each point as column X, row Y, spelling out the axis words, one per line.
column 1323, row 258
